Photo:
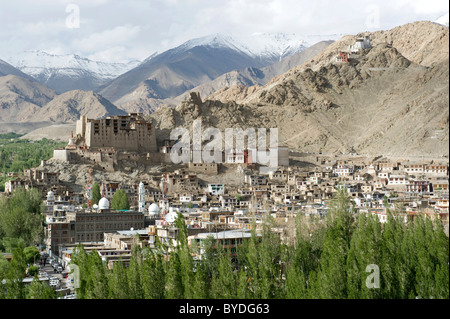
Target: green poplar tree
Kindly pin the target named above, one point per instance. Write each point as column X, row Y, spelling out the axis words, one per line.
column 16, row 273
column 441, row 243
column 331, row 279
column 120, row 200
column 364, row 251
column 332, row 273
column 96, row 195
column 390, row 257
column 206, row 267
column 135, row 270
column 301, row 263
column 153, row 277
column 223, row 283
column 118, row 282
column 406, row 263
column 80, row 259
column 97, row 285
column 185, row 257
column 200, row 289
column 243, row 290
column 174, row 280
column 295, row 283
column 270, row 262
column 252, row 268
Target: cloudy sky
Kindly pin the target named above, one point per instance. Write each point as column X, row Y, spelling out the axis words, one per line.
column 119, row 30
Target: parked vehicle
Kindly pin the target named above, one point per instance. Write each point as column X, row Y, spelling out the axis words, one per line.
column 54, row 282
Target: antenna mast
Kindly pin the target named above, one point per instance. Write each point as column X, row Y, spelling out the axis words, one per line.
column 89, row 187
column 164, row 186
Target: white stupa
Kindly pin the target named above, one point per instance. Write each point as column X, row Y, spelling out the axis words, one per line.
column 71, row 142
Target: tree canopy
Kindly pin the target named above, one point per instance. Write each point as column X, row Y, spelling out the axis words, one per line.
column 96, row 196
column 17, row 154
column 120, row 200
column 20, row 219
column 349, row 256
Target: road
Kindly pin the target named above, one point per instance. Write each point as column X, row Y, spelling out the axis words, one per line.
column 64, row 282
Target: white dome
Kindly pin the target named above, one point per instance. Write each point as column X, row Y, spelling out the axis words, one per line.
column 153, row 209
column 103, row 203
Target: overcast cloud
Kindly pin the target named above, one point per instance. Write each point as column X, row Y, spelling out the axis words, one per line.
column 118, row 30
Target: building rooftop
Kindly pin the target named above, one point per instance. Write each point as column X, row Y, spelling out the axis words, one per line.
column 132, row 232
column 235, row 233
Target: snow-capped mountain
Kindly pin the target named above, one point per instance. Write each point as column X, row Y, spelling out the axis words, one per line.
column 197, row 61
column 268, row 47
column 443, row 20
column 67, row 72
column 278, row 46
column 6, row 69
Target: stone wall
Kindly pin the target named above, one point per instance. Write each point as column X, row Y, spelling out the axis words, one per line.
column 61, row 155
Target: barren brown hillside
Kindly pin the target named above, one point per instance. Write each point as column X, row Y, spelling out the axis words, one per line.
column 421, row 42
column 390, row 100
column 69, row 106
column 21, row 98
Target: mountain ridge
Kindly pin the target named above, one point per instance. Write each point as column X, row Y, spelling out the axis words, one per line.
column 25, row 101
column 174, row 72
column 67, row 72
column 391, row 99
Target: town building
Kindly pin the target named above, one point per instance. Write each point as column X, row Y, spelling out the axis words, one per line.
column 216, row 189
column 228, row 240
column 127, row 133
column 90, row 226
column 361, row 43
column 342, row 57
